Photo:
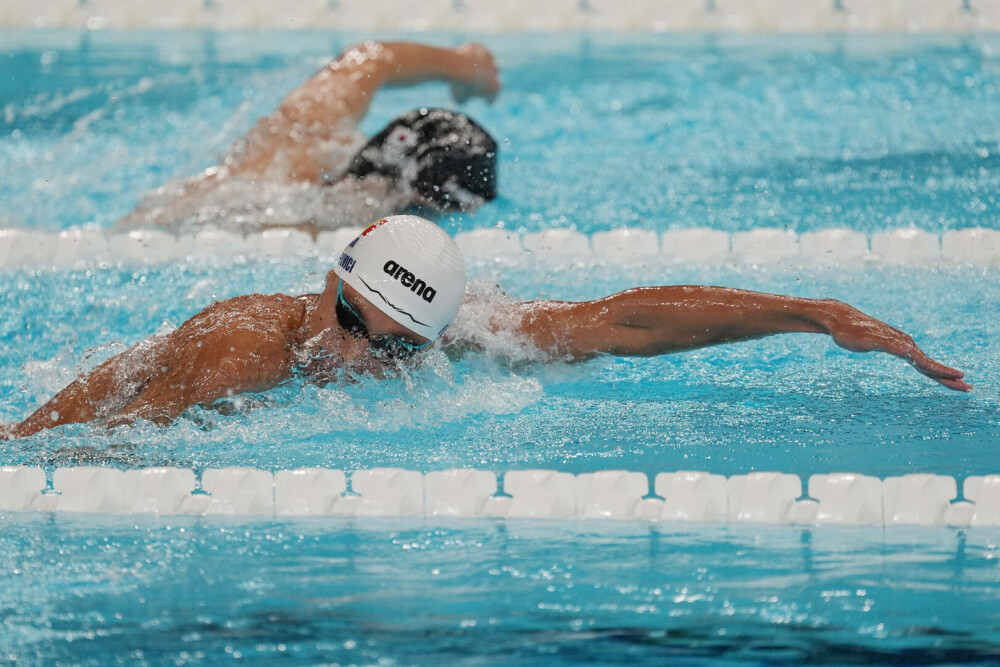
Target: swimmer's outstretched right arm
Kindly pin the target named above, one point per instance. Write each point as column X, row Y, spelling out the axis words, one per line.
column 649, row 321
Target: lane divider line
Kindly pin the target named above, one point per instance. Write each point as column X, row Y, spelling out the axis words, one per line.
column 850, row 499
column 32, row 250
column 763, row 16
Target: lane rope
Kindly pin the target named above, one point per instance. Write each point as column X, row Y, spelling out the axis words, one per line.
column 686, row 496
column 29, row 249
column 782, row 16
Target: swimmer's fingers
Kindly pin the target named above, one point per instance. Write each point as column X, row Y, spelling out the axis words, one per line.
column 932, row 368
column 901, row 345
column 482, row 77
column 946, row 375
column 871, row 335
column 957, row 385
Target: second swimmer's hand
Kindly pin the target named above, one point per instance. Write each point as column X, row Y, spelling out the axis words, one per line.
column 853, row 330
column 478, row 76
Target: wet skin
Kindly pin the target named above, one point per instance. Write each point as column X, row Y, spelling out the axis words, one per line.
column 252, row 343
column 244, row 344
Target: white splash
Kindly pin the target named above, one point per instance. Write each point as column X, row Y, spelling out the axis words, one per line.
column 431, row 404
column 486, row 322
column 43, row 378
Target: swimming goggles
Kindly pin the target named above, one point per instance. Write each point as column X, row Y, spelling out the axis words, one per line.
column 350, row 319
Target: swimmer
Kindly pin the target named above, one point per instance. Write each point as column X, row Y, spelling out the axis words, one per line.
column 307, row 165
column 393, row 292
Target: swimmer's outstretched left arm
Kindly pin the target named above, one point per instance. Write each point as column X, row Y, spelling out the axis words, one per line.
column 649, row 321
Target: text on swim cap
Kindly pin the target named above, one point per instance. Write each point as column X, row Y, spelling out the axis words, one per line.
column 415, row 284
column 347, row 263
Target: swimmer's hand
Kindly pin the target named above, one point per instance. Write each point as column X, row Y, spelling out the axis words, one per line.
column 478, row 75
column 853, row 330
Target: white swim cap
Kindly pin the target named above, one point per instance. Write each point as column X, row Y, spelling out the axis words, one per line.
column 410, row 269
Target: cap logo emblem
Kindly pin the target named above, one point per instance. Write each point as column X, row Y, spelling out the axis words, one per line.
column 377, row 223
column 416, row 285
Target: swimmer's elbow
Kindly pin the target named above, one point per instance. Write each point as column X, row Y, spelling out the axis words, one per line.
column 366, row 58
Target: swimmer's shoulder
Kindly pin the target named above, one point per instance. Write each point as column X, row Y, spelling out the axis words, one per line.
column 253, row 311
column 257, row 300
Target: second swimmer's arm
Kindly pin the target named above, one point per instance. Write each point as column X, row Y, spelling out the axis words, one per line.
column 343, row 90
column 658, row 320
column 345, row 87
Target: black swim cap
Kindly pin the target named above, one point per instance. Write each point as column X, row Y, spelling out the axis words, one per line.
column 444, row 156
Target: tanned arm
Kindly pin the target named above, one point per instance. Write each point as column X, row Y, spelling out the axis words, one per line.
column 252, row 363
column 650, row 321
column 78, row 402
column 231, row 347
column 343, row 90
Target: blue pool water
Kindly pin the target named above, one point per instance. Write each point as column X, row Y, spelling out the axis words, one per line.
column 729, row 132
column 598, row 132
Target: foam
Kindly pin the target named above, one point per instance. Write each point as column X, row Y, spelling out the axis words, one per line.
column 845, row 499
column 31, row 250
